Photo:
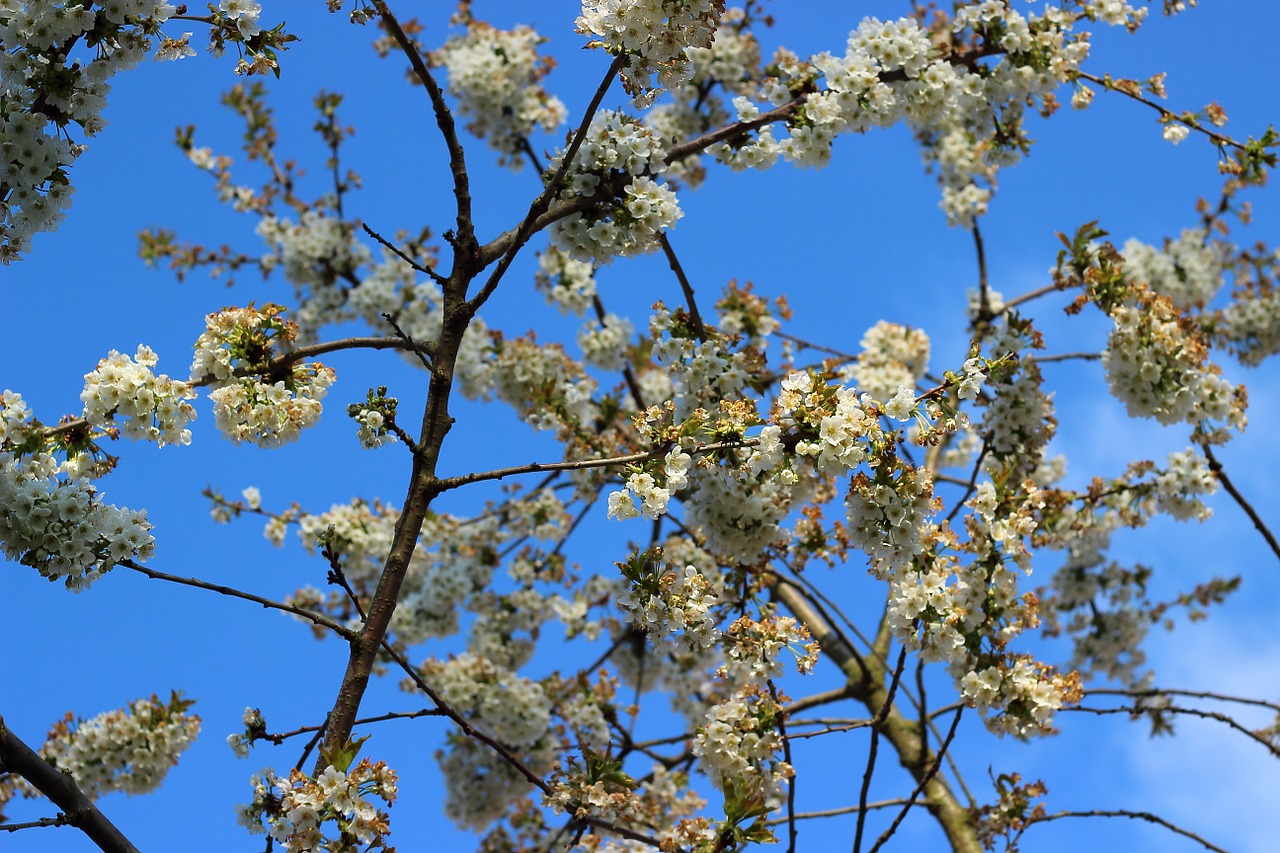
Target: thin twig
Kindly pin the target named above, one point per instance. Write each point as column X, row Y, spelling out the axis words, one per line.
column 801, row 342
column 281, row 737
column 1147, row 816
column 1194, row 694
column 879, row 804
column 1136, row 711
column 1029, row 295
column 57, row 820
column 1216, row 467
column 444, row 120
column 695, row 317
column 310, row 616
column 447, row 483
column 427, row 271
column 1112, row 85
column 528, row 225
column 1063, row 356
column 933, row 771
column 792, row 831
column 411, row 345
column 876, row 723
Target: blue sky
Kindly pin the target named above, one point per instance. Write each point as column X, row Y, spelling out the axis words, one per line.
column 860, row 241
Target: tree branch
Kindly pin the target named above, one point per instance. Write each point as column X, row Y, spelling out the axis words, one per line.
column 318, row 619
column 1216, row 467
column 1147, row 816
column 62, row 791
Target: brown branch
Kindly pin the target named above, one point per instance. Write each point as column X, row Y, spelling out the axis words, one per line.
column 1216, row 467
column 792, row 831
column 1029, row 295
column 281, row 361
column 447, row 483
column 1136, row 711
column 876, row 723
column 866, row 681
column 928, row 777
column 817, row 347
column 1111, row 85
column 464, row 240
column 57, row 820
column 880, row 804
column 817, row 699
column 310, row 616
column 514, row 240
column 394, row 249
column 985, row 314
column 1194, row 694
column 699, row 327
column 830, row 729
column 62, row 791
column 1063, row 356
column 737, row 130
column 1147, row 816
column 280, row 738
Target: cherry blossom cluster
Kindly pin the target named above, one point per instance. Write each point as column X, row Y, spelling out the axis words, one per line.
column 672, row 604
column 964, row 613
column 704, row 367
column 567, row 283
column 1250, row 324
column 316, row 253
column 331, row 812
column 60, row 59
column 887, row 513
column 375, row 417
column 45, row 91
column 1181, row 484
column 738, row 739
column 1188, row 270
column 739, row 744
column 543, row 384
column 604, row 343
column 740, row 514
column 1018, row 415
column 496, row 75
column 1158, row 366
column 1026, row 693
column 630, row 223
column 254, row 728
column 450, row 571
column 1102, row 608
column 892, row 356
column 654, row 35
column 731, row 65
column 598, row 787
column 835, row 427
column 967, row 114
column 61, row 527
column 748, row 315
column 150, row 407
column 128, row 750
column 247, row 408
column 652, row 493
column 513, row 710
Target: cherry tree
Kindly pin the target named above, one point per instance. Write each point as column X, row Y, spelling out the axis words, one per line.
column 662, row 569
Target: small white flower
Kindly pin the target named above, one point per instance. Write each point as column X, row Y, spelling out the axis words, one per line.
column 1175, row 133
